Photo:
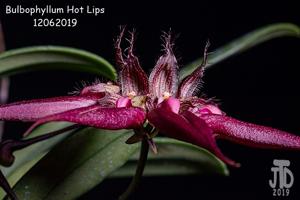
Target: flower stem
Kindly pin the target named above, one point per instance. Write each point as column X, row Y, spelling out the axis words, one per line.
column 139, row 170
column 8, row 147
column 25, row 143
column 4, row 91
column 4, row 82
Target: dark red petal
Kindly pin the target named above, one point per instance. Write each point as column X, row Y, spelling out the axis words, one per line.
column 251, row 134
column 35, row 109
column 189, row 128
column 132, row 76
column 164, row 77
column 191, row 84
column 99, row 117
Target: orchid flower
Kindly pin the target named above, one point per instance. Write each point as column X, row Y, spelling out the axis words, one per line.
column 160, row 101
column 148, row 105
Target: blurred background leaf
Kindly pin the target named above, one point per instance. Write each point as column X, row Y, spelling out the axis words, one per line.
column 85, row 159
column 244, row 43
column 175, row 158
column 28, row 157
column 54, row 57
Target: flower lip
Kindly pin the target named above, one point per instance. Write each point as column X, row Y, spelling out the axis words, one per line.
column 187, row 127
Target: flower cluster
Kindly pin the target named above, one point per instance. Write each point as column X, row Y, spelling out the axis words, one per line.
column 170, row 106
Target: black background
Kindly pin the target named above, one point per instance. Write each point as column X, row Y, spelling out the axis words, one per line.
column 259, row 86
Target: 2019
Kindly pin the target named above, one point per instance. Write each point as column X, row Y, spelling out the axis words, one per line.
column 281, row 192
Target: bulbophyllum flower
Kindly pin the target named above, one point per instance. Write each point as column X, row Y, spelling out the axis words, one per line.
column 159, row 103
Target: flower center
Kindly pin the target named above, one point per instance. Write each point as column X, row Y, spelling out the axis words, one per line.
column 131, row 94
column 166, row 95
column 139, row 101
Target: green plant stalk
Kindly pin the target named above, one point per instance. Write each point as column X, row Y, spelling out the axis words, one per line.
column 5, row 185
column 4, row 82
column 139, row 171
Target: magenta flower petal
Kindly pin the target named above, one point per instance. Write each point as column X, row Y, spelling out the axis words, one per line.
column 188, row 127
column 99, row 117
column 164, row 77
column 123, row 102
column 251, row 134
column 35, row 109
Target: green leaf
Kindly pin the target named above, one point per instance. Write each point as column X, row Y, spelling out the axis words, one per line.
column 76, row 165
column 28, row 157
column 54, row 57
column 84, row 160
column 175, row 158
column 244, row 43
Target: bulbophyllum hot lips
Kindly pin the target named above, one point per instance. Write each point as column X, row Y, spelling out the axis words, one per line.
column 160, row 102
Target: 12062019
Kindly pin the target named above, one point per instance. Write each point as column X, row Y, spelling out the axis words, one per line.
column 57, row 22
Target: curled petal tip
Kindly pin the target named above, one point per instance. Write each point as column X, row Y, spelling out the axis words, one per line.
column 6, row 153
